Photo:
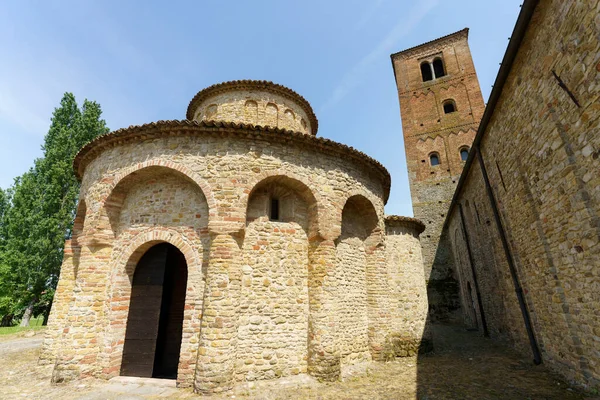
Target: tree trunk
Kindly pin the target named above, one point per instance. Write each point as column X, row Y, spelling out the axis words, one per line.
column 27, row 314
column 46, row 315
column 7, row 320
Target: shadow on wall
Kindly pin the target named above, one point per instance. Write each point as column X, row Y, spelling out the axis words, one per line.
column 443, row 286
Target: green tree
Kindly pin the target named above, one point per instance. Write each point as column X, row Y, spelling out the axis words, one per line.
column 5, row 298
column 43, row 203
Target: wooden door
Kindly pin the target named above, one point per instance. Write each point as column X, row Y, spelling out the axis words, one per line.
column 144, row 313
column 155, row 320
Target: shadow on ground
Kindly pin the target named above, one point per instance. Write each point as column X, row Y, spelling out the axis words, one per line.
column 465, row 365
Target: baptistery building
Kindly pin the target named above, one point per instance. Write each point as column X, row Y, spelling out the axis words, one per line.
column 234, row 245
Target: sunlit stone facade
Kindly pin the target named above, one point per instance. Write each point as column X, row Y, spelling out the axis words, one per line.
column 241, row 240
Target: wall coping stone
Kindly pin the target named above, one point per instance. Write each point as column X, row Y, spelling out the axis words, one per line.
column 407, row 222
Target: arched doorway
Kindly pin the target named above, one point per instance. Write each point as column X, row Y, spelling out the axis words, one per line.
column 154, row 324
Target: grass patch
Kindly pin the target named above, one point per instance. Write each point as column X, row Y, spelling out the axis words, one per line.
column 34, row 324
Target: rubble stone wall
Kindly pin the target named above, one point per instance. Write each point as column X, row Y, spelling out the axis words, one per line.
column 254, row 107
column 541, row 150
column 264, row 296
column 407, row 287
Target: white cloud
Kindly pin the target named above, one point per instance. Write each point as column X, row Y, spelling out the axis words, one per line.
column 355, row 75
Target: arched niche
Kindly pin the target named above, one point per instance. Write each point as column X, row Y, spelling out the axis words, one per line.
column 271, row 115
column 251, row 112
column 289, row 183
column 356, row 264
column 155, row 196
column 274, row 302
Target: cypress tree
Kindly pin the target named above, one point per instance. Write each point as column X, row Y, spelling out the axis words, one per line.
column 39, row 216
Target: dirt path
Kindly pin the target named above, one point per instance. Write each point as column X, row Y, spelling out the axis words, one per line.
column 464, row 366
column 20, row 345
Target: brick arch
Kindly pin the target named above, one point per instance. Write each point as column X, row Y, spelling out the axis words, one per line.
column 138, row 246
column 196, row 178
column 123, row 268
column 367, row 197
column 369, row 214
column 360, row 254
column 104, row 211
column 297, row 182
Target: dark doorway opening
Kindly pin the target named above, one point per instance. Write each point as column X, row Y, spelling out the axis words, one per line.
column 155, row 320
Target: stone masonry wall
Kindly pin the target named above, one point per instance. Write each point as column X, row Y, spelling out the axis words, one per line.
column 353, row 314
column 254, row 107
column 496, row 289
column 410, row 331
column 273, row 325
column 150, row 198
column 263, row 297
column 541, row 152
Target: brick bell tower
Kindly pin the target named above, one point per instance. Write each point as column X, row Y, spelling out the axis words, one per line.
column 441, row 106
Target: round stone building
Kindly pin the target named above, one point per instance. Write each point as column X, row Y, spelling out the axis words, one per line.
column 233, row 246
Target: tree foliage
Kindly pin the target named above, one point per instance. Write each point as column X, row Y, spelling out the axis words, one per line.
column 37, row 212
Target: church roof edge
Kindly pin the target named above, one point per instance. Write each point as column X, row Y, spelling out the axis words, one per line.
column 464, row 31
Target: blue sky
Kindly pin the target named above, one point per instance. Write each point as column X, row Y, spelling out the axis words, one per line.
column 144, row 61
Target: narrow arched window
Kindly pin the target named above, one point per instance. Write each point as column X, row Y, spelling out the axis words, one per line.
column 434, row 159
column 464, row 153
column 274, row 212
column 438, row 68
column 426, row 72
column 449, row 106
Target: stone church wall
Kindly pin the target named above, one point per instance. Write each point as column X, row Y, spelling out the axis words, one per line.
column 541, row 151
column 267, row 296
column 352, row 298
column 258, row 108
column 407, row 286
column 273, row 321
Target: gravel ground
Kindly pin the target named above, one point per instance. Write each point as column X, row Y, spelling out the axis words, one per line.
column 463, row 366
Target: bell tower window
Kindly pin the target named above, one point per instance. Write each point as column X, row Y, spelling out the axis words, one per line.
column 426, row 72
column 438, row 68
column 434, row 159
column 449, row 106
